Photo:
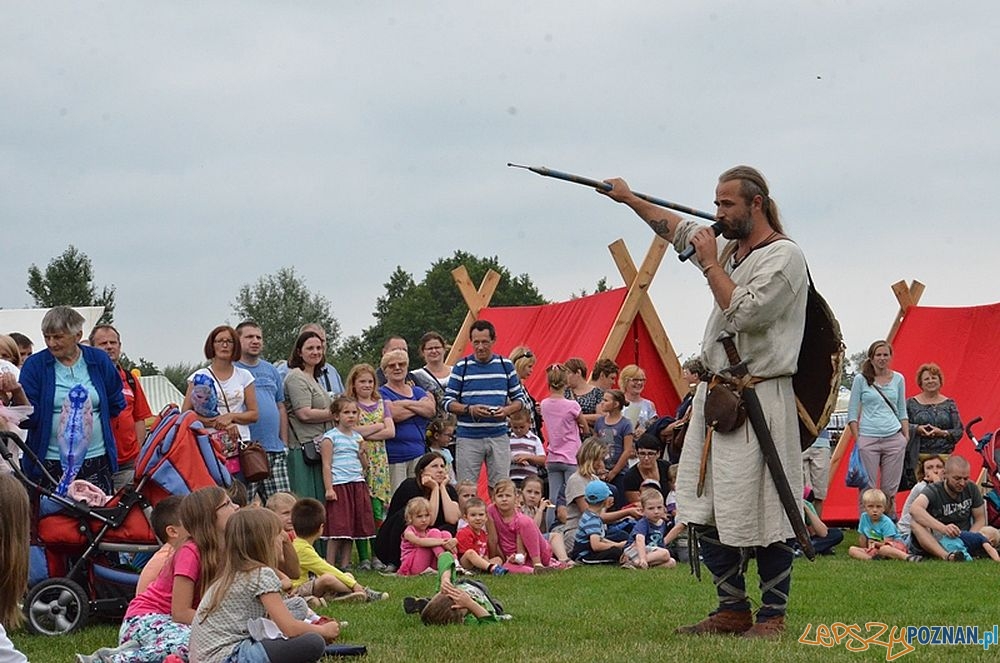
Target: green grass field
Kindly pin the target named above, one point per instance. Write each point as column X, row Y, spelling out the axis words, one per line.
column 609, row 614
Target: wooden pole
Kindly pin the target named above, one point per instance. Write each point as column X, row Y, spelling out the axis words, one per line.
column 475, row 300
column 664, row 348
column 637, row 288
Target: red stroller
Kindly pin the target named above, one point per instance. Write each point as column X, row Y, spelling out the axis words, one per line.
column 990, row 451
column 77, row 568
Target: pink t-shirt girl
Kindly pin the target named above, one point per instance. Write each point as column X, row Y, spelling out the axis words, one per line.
column 560, row 416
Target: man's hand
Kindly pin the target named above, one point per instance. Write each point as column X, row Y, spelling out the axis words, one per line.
column 620, row 191
column 706, row 248
column 951, row 530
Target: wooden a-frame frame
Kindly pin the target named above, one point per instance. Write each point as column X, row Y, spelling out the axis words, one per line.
column 637, row 302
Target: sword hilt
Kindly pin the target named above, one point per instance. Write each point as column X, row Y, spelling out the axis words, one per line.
column 737, row 366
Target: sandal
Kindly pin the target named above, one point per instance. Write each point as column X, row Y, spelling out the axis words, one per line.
column 955, row 557
column 914, row 558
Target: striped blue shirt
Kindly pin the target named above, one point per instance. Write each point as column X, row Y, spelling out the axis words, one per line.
column 493, row 383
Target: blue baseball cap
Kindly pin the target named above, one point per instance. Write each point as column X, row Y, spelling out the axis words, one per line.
column 596, row 492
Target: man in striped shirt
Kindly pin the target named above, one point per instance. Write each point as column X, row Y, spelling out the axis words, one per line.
column 483, row 391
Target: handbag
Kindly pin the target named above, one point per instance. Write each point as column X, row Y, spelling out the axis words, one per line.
column 857, row 475
column 253, row 462
column 310, row 453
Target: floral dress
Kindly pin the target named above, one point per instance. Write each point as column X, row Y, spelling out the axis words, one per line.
column 377, row 474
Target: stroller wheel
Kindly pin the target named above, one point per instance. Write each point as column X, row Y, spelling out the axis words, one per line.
column 56, row 606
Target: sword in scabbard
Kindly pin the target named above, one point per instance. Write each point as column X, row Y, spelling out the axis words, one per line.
column 755, row 413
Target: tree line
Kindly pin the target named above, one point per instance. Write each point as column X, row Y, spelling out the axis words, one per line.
column 282, row 302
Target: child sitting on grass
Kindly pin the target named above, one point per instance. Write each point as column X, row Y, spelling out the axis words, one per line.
column 281, row 504
column 318, row 577
column 422, row 544
column 472, row 540
column 513, row 536
column 591, row 545
column 877, row 535
column 461, row 601
column 166, row 521
column 646, row 546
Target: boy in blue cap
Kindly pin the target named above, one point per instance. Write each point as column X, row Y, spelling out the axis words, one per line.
column 592, row 545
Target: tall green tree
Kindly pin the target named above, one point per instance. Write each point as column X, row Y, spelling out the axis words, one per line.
column 409, row 308
column 281, row 303
column 68, row 280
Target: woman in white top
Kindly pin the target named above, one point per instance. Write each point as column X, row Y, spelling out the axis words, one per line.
column 640, row 411
column 237, row 399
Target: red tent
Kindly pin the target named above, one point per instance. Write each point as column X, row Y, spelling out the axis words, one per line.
column 962, row 341
column 579, row 328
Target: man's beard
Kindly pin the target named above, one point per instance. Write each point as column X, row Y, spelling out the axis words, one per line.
column 739, row 228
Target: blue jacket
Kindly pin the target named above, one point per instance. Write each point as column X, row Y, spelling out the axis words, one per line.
column 38, row 378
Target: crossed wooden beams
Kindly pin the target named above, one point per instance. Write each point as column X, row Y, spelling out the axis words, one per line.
column 907, row 296
column 636, row 302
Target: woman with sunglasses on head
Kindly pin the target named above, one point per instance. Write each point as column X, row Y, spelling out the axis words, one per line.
column 651, row 469
column 524, row 363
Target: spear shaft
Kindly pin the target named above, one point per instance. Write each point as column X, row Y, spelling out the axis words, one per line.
column 604, row 186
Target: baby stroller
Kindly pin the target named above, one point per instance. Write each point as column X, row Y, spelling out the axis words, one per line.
column 79, row 558
column 990, row 452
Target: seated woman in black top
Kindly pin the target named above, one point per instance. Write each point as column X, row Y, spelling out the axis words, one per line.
column 431, row 481
column 650, row 468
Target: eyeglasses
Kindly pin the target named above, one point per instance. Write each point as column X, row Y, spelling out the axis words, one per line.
column 647, row 454
column 223, row 341
column 639, row 380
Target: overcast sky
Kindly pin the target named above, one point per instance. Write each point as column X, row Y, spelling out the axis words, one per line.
column 189, row 148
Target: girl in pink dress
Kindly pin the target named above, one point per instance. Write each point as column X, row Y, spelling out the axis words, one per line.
column 513, row 536
column 422, row 543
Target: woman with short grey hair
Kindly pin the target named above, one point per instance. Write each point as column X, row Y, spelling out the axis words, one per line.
column 76, row 392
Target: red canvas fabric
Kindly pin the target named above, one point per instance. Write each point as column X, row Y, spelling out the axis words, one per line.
column 962, row 341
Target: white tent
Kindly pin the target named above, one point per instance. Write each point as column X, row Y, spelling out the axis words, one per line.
column 28, row 321
column 160, row 392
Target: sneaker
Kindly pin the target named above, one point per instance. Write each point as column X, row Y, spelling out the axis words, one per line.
column 723, row 621
column 499, row 570
column 770, row 628
column 388, row 570
column 412, row 605
column 372, row 595
column 377, row 565
column 914, row 558
column 365, row 565
column 629, row 566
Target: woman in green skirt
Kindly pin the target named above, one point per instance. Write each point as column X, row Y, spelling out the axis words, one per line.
column 308, row 413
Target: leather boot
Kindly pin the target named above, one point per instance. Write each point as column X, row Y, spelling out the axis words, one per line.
column 722, row 621
column 769, row 628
